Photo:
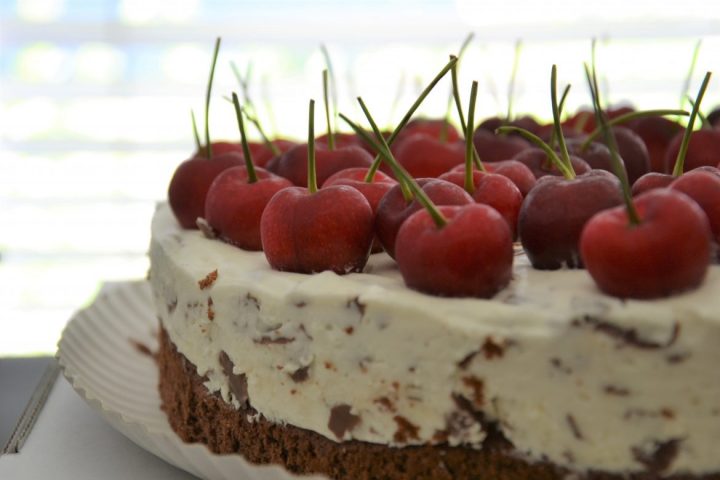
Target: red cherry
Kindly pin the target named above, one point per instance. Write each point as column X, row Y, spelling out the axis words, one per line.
column 471, row 256
column 424, row 156
column 431, row 127
column 393, row 209
column 293, row 163
column 233, row 206
column 517, row 172
column 221, row 148
column 539, row 164
column 493, row 190
column 651, row 181
column 703, row 186
column 190, row 183
column 373, row 191
column 331, row 229
column 262, row 154
column 657, row 133
column 644, row 260
column 703, row 149
column 494, row 148
column 555, row 211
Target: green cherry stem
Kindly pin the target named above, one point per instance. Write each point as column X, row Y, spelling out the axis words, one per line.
column 680, row 160
column 557, row 127
column 561, row 106
column 703, row 119
column 451, row 99
column 419, row 193
column 252, row 176
column 333, row 83
column 208, row 145
column 617, row 164
column 463, row 126
column 566, row 171
column 249, row 104
column 378, row 147
column 513, row 77
column 690, row 72
column 326, row 100
column 626, row 117
column 469, row 145
column 409, row 114
column 196, row 135
column 312, row 174
column 407, row 193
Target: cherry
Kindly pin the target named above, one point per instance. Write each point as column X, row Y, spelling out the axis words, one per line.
column 237, row 197
column 293, row 163
column 193, row 177
column 657, row 133
column 425, row 156
column 703, row 149
column 517, row 172
column 640, row 261
column 651, row 181
column 432, row 127
column 263, row 154
column 493, row 147
column 470, row 256
column 703, row 186
column 307, row 230
column 629, row 251
column 373, row 190
column 539, row 163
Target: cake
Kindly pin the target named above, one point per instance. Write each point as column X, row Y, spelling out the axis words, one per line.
column 359, row 377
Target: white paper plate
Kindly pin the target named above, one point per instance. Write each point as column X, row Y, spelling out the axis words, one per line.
column 99, row 357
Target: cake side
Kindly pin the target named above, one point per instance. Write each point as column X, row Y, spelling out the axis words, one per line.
column 569, row 375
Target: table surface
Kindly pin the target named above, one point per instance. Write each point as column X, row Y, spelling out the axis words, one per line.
column 72, row 441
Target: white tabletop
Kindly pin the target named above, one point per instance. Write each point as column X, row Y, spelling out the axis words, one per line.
column 71, row 441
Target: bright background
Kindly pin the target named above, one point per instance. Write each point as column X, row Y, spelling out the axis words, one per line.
column 95, row 99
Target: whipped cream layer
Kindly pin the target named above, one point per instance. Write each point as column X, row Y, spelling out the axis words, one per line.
column 566, row 373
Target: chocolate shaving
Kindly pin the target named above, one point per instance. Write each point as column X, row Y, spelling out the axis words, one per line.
column 577, row 433
column 210, row 310
column 659, row 456
column 341, row 420
column 665, row 412
column 490, row 350
column 676, row 358
column 274, row 341
column 357, row 304
column 477, row 386
column 142, row 348
column 250, row 298
column 615, row 390
column 629, row 336
column 386, row 403
column 208, row 281
column 406, row 430
column 558, row 364
column 349, row 330
column 305, row 332
column 301, row 374
column 238, row 383
column 300, row 304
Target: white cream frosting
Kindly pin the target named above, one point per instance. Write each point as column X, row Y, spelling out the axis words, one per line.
column 570, row 375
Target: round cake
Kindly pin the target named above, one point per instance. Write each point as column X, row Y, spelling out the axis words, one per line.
column 359, row 377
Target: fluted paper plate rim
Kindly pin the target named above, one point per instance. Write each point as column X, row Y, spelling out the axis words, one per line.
column 99, row 355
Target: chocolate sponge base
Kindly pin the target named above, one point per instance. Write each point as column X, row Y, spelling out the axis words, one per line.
column 197, row 415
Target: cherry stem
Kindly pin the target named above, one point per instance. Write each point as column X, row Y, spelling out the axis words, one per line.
column 196, row 135
column 556, row 120
column 446, row 123
column 680, row 160
column 312, row 174
column 469, row 145
column 252, row 176
column 330, row 136
column 617, row 164
column 333, row 83
column 409, row 114
column 458, row 104
column 513, row 77
column 403, row 176
column 568, row 173
column 626, row 117
column 208, row 145
column 691, row 71
column 703, row 119
column 407, row 194
column 249, row 104
column 561, row 106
